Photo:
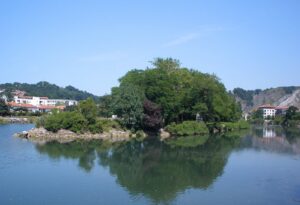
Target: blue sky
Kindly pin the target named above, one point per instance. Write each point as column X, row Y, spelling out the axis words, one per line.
column 91, row 44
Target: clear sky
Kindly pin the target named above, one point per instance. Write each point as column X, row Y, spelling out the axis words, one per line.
column 91, row 44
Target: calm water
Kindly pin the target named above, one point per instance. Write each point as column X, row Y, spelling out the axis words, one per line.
column 262, row 167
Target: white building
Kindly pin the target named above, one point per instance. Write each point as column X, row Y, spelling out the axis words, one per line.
column 37, row 101
column 271, row 111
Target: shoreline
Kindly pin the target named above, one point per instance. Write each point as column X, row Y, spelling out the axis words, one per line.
column 41, row 135
column 12, row 119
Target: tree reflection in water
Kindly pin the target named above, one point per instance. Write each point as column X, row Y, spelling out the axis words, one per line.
column 151, row 168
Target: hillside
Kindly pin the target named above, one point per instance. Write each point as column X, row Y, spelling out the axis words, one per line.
column 281, row 96
column 46, row 89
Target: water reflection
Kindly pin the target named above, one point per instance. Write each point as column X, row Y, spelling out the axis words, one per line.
column 151, row 168
column 160, row 171
column 274, row 139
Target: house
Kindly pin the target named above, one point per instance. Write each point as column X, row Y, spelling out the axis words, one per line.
column 33, row 108
column 39, row 104
column 45, row 101
column 270, row 111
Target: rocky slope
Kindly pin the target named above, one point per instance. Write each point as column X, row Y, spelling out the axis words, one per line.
column 281, row 96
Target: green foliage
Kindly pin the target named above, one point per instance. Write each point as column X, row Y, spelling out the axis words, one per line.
column 179, row 92
column 278, row 120
column 291, row 113
column 127, row 103
column 97, row 127
column 292, row 117
column 107, row 124
column 231, row 126
column 243, row 124
column 187, row 128
column 104, row 106
column 258, row 114
column 73, row 121
column 80, row 119
column 88, row 109
column 4, row 109
column 246, row 95
column 47, row 89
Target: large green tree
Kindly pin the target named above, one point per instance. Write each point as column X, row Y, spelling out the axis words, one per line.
column 127, row 103
column 183, row 93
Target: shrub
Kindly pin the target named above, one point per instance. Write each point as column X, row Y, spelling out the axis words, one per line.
column 109, row 124
column 96, row 128
column 187, row 128
column 243, row 124
column 73, row 121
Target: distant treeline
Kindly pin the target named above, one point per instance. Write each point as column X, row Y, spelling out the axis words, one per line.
column 46, row 89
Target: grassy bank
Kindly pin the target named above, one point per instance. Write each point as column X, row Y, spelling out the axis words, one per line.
column 187, row 128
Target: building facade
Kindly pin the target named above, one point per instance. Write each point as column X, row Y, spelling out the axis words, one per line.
column 44, row 101
column 39, row 104
column 270, row 111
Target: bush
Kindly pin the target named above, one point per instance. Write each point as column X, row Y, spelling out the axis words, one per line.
column 187, row 128
column 243, row 124
column 96, row 128
column 109, row 124
column 73, row 121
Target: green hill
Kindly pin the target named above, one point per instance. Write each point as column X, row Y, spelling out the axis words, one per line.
column 46, row 89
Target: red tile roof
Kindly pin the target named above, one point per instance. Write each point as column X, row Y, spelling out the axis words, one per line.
column 13, row 104
column 268, row 106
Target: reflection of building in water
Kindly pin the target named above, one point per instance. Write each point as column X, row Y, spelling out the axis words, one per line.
column 273, row 139
column 269, row 132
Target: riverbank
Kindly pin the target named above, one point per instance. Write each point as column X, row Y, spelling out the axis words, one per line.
column 41, row 135
column 22, row 120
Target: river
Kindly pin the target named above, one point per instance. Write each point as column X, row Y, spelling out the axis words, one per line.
column 260, row 166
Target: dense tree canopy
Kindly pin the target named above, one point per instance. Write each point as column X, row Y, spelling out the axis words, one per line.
column 127, row 102
column 181, row 93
